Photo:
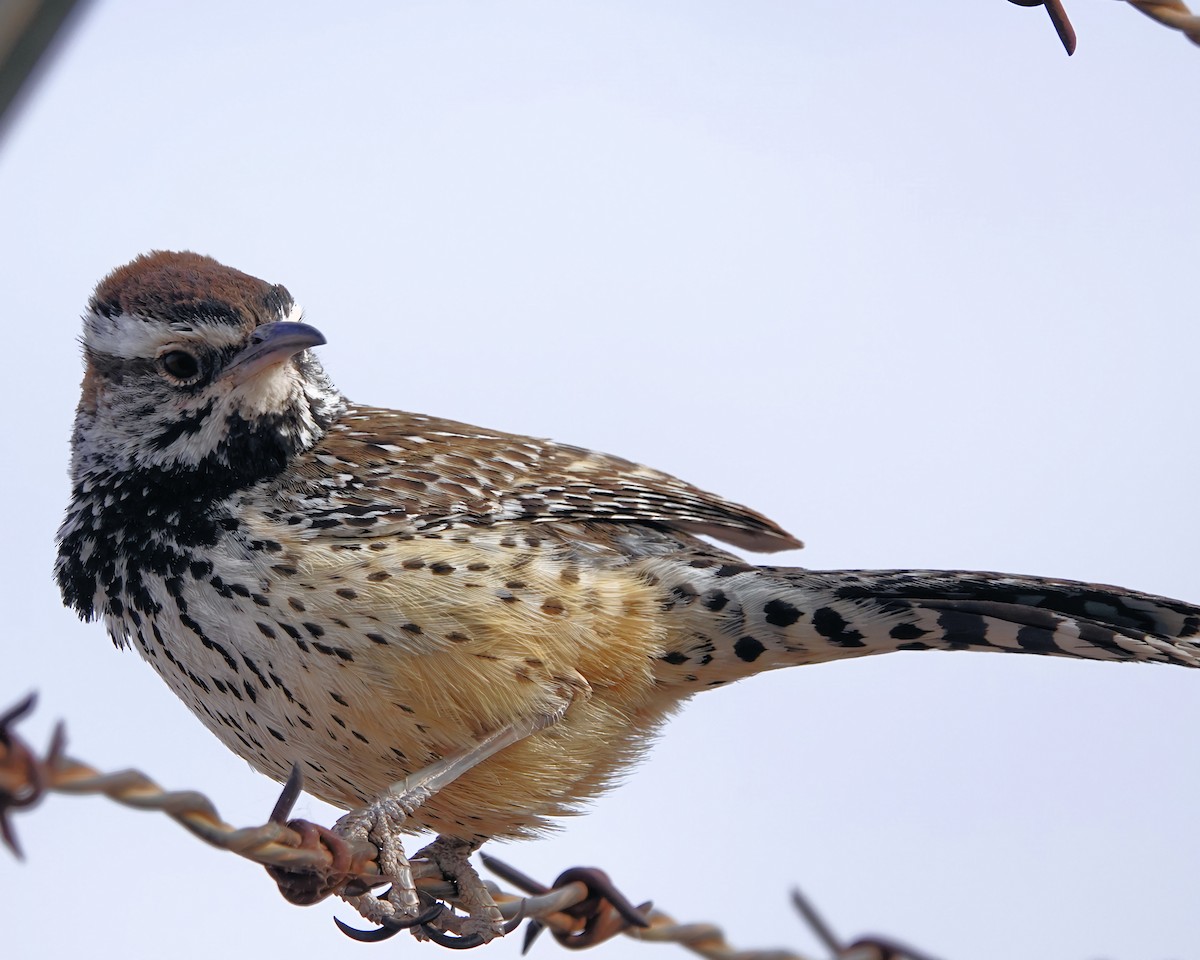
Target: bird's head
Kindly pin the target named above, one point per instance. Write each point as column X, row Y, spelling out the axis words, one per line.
column 197, row 370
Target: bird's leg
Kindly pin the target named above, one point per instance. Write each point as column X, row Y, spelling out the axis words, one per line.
column 382, row 822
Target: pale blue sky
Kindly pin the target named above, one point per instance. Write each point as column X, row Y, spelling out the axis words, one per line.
column 902, row 276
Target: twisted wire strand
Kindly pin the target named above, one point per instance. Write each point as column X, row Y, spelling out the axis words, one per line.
column 708, row 940
column 1172, row 13
column 25, row 777
column 580, row 909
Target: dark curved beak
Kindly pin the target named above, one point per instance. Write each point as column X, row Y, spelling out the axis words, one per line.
column 270, row 345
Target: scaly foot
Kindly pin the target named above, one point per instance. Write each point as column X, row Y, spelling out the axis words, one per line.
column 381, row 824
column 483, row 921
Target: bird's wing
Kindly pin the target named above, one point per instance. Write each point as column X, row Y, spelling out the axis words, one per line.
column 391, row 471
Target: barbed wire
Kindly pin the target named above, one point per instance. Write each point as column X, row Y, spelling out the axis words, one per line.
column 1172, row 13
column 582, row 908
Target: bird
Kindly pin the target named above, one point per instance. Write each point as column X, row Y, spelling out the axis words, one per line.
column 449, row 628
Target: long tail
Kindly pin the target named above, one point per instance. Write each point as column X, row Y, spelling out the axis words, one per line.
column 740, row 619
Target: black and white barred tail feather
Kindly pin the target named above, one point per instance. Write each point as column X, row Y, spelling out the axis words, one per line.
column 748, row 619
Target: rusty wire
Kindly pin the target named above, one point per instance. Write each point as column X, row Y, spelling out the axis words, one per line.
column 581, row 909
column 1172, row 13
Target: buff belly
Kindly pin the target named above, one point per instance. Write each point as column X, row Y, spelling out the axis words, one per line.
column 366, row 664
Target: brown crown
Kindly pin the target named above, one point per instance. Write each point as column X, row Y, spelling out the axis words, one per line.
column 177, row 286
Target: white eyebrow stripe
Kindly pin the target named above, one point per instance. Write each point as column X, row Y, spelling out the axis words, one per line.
column 130, row 337
column 125, row 337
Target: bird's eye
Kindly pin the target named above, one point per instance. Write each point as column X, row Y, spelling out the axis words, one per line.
column 180, row 365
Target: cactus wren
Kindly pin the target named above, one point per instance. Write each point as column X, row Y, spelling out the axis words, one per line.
column 451, row 628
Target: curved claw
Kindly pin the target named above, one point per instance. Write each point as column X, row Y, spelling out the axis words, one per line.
column 390, row 928
column 468, row 942
column 378, row 935
column 428, row 916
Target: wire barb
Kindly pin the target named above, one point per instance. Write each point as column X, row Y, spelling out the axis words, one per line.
column 21, row 784
column 1058, row 17
column 865, row 948
column 600, row 914
column 310, row 862
column 1171, row 13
